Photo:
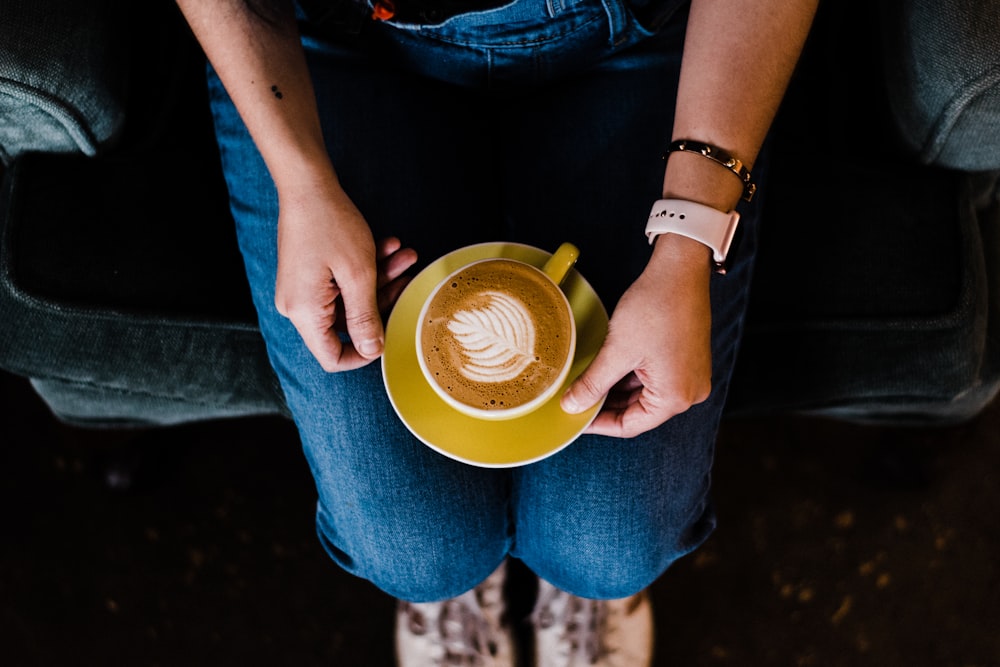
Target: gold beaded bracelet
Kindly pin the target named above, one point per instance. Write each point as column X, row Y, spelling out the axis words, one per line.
column 721, row 157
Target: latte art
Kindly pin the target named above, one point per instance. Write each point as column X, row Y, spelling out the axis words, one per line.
column 497, row 341
column 495, row 336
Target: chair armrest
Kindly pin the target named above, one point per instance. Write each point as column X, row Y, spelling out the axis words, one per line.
column 63, row 74
column 942, row 70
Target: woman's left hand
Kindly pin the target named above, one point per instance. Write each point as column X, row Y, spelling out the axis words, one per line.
column 656, row 361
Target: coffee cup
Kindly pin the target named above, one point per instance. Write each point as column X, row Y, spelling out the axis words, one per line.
column 496, row 338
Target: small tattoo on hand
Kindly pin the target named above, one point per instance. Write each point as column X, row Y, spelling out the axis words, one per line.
column 277, row 93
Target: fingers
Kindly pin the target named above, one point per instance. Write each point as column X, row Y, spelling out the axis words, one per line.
column 314, row 327
column 641, row 392
column 596, row 382
column 391, row 280
column 632, row 414
column 625, row 413
column 633, row 409
column 624, row 394
column 389, row 293
column 358, row 290
column 347, row 297
column 393, row 260
column 368, row 293
column 386, row 246
column 629, row 422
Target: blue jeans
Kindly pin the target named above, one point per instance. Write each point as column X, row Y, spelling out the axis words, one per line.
column 540, row 122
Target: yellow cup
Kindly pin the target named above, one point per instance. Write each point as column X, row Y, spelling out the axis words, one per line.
column 554, row 271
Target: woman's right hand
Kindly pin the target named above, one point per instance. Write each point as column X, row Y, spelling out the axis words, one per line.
column 333, row 277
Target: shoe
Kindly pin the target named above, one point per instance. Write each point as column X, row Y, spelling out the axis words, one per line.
column 575, row 632
column 468, row 631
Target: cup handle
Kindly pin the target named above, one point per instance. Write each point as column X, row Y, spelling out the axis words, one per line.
column 561, row 261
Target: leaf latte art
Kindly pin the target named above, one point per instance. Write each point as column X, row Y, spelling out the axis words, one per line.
column 495, row 335
column 497, row 341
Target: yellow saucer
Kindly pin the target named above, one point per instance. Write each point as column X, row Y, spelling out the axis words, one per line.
column 490, row 444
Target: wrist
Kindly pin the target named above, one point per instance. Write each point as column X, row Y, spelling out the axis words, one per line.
column 681, row 256
column 704, row 224
column 302, row 174
column 691, row 177
column 719, row 156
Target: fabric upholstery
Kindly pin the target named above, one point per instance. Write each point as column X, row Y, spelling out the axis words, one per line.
column 122, row 292
column 871, row 296
column 62, row 76
column 942, row 68
column 124, row 313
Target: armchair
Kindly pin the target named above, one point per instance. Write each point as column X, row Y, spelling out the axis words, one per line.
column 122, row 294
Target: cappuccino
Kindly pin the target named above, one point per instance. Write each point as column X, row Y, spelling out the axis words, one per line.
column 497, row 335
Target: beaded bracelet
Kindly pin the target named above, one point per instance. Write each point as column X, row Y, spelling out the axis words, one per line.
column 721, row 157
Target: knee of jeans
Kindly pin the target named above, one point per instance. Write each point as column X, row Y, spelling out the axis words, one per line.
column 434, row 575
column 613, row 566
column 596, row 576
column 429, row 569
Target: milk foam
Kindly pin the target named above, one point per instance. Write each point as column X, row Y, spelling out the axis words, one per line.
column 495, row 335
column 497, row 341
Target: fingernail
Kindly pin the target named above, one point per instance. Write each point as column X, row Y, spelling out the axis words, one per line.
column 570, row 405
column 370, row 347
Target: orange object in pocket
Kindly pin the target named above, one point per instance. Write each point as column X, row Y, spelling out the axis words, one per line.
column 384, row 10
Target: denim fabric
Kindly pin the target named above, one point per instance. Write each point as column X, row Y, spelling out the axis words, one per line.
column 942, row 66
column 539, row 130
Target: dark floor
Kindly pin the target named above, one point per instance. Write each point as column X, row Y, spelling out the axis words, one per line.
column 838, row 545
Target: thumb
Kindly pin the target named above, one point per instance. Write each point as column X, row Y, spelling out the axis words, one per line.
column 361, row 315
column 595, row 383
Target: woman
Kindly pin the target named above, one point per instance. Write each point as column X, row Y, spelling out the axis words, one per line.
column 358, row 128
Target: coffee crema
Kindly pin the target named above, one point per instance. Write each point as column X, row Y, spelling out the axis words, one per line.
column 496, row 335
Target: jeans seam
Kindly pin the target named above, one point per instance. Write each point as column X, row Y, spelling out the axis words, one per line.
column 616, row 22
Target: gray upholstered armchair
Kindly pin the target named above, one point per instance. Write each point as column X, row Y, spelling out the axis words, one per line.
column 121, row 289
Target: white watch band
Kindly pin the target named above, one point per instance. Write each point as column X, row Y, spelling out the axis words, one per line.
column 696, row 221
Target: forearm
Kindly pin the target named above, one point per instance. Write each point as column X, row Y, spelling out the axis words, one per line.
column 263, row 68
column 738, row 59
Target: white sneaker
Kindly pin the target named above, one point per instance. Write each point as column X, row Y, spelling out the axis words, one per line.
column 575, row 632
column 467, row 631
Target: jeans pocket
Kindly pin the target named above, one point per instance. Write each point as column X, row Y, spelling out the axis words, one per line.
column 522, row 23
column 649, row 16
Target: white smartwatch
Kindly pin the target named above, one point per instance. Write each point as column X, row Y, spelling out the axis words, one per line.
column 702, row 223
